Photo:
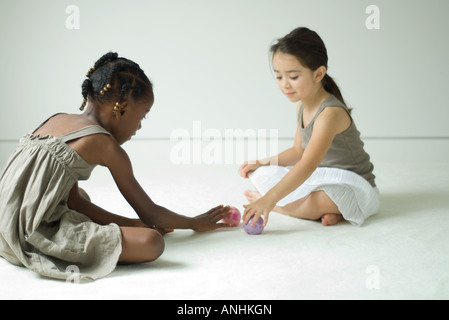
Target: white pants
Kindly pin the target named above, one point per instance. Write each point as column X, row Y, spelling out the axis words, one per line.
column 354, row 196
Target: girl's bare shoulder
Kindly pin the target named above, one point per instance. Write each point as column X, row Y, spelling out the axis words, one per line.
column 92, row 148
column 99, row 149
column 61, row 124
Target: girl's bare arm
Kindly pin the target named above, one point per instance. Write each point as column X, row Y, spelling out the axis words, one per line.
column 119, row 164
column 329, row 123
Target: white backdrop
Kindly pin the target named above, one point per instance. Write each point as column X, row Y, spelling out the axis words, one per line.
column 209, row 61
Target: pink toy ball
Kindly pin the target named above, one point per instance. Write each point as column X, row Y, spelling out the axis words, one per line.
column 257, row 229
column 234, row 218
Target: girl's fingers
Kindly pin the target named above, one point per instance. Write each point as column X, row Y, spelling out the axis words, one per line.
column 265, row 221
column 223, row 213
column 220, row 213
column 255, row 218
column 243, row 170
column 245, row 213
column 214, row 209
column 248, row 213
column 255, row 215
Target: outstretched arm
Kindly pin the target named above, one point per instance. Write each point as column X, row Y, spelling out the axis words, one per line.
column 119, row 164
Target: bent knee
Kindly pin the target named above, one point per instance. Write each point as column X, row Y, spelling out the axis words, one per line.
column 322, row 203
column 154, row 244
column 84, row 194
column 141, row 245
column 312, row 207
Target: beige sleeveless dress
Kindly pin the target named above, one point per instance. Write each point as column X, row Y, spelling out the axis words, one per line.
column 37, row 228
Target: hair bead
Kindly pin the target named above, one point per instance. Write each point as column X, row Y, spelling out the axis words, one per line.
column 116, row 108
column 91, row 70
column 105, row 89
column 83, row 104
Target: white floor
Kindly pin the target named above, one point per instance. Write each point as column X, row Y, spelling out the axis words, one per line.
column 401, row 253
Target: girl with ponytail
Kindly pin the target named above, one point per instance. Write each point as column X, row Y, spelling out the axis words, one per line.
column 326, row 175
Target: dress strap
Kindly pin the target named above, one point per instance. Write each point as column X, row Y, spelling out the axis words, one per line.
column 83, row 132
column 46, row 122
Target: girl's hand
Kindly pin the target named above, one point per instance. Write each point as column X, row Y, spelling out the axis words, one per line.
column 248, row 167
column 260, row 207
column 208, row 221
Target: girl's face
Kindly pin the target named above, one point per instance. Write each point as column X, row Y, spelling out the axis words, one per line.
column 294, row 80
column 131, row 116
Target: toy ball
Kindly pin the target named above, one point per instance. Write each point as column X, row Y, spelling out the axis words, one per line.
column 257, row 229
column 234, row 218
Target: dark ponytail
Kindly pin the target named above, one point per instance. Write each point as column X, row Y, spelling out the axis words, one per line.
column 307, row 46
column 330, row 86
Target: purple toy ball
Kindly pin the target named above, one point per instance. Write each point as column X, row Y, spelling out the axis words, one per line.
column 234, row 218
column 257, row 229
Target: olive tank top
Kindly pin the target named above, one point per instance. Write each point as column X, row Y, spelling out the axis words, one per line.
column 347, row 149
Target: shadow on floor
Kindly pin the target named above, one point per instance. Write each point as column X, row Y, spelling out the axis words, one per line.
column 407, row 203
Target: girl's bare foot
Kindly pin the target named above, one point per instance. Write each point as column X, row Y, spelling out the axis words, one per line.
column 331, row 219
column 252, row 195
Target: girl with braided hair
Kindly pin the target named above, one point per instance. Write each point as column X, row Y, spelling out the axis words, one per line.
column 47, row 223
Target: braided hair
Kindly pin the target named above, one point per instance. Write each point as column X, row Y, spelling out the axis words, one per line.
column 114, row 79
